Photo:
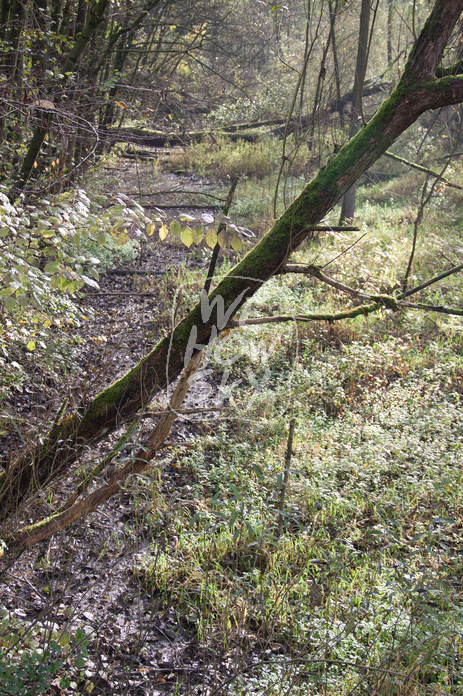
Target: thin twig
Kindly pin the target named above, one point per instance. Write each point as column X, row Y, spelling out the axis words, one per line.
column 425, row 170
column 332, row 228
column 433, row 308
column 174, row 206
column 181, row 412
column 362, row 310
column 284, row 485
column 316, row 272
column 426, row 284
column 166, row 192
column 425, row 198
column 123, row 294
column 344, row 251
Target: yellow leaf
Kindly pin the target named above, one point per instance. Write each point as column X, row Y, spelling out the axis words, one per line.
column 222, row 239
column 150, row 229
column 175, row 227
column 197, row 234
column 44, row 104
column 236, row 242
column 163, row 232
column 122, row 105
column 122, row 238
column 211, row 238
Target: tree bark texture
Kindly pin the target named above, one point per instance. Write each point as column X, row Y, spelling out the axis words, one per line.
column 417, row 91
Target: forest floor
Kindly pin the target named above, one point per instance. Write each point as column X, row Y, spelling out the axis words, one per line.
column 207, row 576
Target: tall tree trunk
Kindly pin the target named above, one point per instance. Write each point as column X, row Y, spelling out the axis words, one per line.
column 333, row 14
column 418, row 90
column 348, row 203
column 390, row 10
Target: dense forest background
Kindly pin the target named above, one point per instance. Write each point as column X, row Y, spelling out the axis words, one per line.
column 231, row 347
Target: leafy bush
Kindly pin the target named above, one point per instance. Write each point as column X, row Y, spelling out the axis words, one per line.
column 48, row 252
column 31, row 657
column 41, row 249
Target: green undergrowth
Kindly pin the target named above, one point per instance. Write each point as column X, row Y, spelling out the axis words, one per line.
column 39, row 657
column 218, row 156
column 361, row 593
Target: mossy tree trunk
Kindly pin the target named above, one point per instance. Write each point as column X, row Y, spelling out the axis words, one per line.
column 418, row 90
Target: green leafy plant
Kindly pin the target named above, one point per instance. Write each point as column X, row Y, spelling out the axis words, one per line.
column 32, row 659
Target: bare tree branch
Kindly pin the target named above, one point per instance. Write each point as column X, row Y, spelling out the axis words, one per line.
column 425, row 170
column 433, row 308
column 316, row 272
column 427, row 283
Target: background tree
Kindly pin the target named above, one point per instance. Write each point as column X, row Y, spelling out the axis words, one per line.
column 348, row 202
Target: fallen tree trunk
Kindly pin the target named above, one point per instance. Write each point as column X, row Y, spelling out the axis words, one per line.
column 149, row 138
column 417, row 91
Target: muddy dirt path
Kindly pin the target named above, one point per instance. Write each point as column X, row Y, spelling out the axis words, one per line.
column 85, row 577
